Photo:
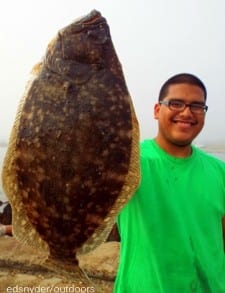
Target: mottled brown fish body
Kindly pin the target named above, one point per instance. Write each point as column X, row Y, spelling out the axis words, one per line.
column 73, row 158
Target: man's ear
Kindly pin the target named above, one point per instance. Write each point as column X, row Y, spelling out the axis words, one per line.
column 156, row 111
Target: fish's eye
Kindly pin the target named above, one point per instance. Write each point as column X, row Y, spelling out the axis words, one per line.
column 98, row 35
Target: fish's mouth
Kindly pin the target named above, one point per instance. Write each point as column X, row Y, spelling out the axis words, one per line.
column 93, row 17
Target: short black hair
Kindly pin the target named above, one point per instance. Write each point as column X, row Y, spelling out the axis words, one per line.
column 181, row 78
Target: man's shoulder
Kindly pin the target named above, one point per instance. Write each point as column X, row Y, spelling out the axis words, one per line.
column 147, row 147
column 146, row 143
column 209, row 158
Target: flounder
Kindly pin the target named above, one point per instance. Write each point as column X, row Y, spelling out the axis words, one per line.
column 73, row 157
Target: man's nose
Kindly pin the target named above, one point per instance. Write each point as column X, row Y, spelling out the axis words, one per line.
column 186, row 111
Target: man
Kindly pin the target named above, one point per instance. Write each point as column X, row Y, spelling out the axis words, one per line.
column 171, row 230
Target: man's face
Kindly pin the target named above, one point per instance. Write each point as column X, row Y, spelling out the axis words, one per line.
column 180, row 127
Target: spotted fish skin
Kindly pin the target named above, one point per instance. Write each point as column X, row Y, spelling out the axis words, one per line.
column 73, row 158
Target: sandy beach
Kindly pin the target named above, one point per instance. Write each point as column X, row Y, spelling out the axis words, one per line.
column 20, row 269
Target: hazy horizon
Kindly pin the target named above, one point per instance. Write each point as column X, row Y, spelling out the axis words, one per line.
column 153, row 40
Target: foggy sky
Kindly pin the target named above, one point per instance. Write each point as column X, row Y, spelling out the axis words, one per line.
column 153, row 40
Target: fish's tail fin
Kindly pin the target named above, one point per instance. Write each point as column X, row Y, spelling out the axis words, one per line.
column 73, row 274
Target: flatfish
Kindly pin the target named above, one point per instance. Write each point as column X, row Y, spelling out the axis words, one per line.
column 73, row 157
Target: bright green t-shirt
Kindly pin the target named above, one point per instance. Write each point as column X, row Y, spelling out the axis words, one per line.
column 171, row 229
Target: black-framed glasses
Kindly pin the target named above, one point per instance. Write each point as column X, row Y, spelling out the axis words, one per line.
column 178, row 105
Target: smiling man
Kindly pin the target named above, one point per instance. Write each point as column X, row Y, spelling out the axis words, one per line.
column 172, row 229
column 182, row 116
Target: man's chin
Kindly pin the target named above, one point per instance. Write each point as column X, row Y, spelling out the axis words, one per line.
column 182, row 143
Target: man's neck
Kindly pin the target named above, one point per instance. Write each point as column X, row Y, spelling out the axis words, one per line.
column 179, row 151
